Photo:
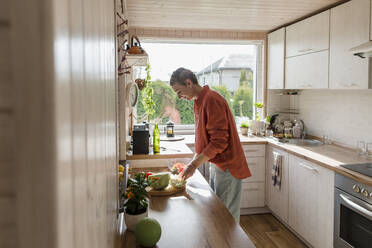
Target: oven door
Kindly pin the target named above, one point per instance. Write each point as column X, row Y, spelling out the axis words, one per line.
column 353, row 221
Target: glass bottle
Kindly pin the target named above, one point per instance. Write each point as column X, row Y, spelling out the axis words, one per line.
column 156, row 139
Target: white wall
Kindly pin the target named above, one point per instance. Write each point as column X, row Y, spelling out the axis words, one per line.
column 345, row 114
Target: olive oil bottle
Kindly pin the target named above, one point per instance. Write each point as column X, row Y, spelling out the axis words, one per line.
column 156, row 139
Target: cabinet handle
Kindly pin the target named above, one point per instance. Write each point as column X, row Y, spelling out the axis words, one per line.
column 252, row 189
column 251, row 150
column 305, row 50
column 309, row 167
column 351, row 85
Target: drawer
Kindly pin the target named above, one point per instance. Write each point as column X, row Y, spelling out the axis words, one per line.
column 253, row 195
column 254, row 150
column 257, row 167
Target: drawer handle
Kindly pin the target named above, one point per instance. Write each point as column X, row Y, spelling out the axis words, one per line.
column 309, row 167
column 252, row 189
column 251, row 150
column 305, row 50
column 350, row 85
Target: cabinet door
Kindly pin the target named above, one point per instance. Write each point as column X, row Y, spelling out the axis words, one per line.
column 253, row 195
column 275, row 74
column 277, row 200
column 308, row 36
column 349, row 28
column 308, row 71
column 257, row 167
column 311, row 201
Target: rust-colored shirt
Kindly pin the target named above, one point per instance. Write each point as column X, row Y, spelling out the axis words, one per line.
column 216, row 135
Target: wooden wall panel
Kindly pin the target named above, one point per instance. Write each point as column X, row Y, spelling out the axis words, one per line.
column 8, row 213
column 197, row 34
column 8, row 232
column 4, row 11
column 5, row 84
column 65, row 120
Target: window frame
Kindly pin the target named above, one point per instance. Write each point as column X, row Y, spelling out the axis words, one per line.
column 260, row 45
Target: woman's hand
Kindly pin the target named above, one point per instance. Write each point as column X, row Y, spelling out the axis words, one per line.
column 188, row 171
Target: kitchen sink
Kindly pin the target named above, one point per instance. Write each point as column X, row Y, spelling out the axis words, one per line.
column 301, row 142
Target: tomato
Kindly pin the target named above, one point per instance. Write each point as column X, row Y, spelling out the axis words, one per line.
column 148, row 174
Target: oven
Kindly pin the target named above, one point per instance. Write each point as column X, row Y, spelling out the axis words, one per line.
column 353, row 213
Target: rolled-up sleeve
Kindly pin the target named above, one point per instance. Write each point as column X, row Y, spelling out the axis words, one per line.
column 217, row 128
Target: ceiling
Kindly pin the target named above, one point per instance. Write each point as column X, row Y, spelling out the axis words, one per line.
column 247, row 15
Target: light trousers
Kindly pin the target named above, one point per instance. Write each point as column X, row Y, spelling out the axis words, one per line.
column 227, row 188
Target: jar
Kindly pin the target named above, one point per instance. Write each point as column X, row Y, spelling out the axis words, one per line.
column 288, row 132
column 297, row 132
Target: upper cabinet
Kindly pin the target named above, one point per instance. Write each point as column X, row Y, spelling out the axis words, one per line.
column 307, row 71
column 350, row 25
column 275, row 76
column 308, row 36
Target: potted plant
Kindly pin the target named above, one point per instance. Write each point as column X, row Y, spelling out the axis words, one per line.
column 244, row 128
column 136, row 205
column 257, row 124
column 147, row 95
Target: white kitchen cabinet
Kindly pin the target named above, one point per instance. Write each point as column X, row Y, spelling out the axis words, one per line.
column 277, row 200
column 311, row 189
column 308, row 36
column 350, row 24
column 370, row 26
column 308, row 71
column 253, row 187
column 275, row 70
column 257, row 168
column 253, row 195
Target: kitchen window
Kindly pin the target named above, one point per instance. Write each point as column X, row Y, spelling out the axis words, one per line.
column 230, row 69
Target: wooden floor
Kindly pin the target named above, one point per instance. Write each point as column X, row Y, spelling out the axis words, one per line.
column 266, row 231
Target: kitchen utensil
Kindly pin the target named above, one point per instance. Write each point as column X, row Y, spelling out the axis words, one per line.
column 369, row 149
column 361, row 147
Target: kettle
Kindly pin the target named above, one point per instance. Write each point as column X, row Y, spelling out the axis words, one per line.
column 135, row 47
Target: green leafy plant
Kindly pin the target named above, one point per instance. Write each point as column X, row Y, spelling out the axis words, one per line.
column 268, row 119
column 147, row 95
column 259, row 107
column 136, row 195
column 244, row 124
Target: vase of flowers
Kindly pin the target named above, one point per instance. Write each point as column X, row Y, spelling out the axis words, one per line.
column 136, row 205
column 257, row 125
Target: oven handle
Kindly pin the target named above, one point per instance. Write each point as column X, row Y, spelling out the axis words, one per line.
column 354, row 205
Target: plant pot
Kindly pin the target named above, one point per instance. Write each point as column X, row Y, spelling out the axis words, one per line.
column 244, row 130
column 132, row 219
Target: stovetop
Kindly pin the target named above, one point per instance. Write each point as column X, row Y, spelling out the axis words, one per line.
column 365, row 169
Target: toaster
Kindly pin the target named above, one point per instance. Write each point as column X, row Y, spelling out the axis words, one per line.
column 141, row 136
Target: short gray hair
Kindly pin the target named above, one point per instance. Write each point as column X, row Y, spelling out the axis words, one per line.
column 180, row 75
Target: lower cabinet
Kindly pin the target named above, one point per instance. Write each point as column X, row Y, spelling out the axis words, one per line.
column 253, row 188
column 305, row 199
column 277, row 199
column 311, row 189
column 253, row 195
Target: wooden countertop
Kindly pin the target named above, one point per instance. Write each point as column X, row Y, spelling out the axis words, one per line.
column 168, row 149
column 195, row 218
column 328, row 156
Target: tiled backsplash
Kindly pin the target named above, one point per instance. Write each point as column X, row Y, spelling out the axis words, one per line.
column 346, row 115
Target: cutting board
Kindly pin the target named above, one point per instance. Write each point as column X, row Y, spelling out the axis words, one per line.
column 175, row 138
column 169, row 190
